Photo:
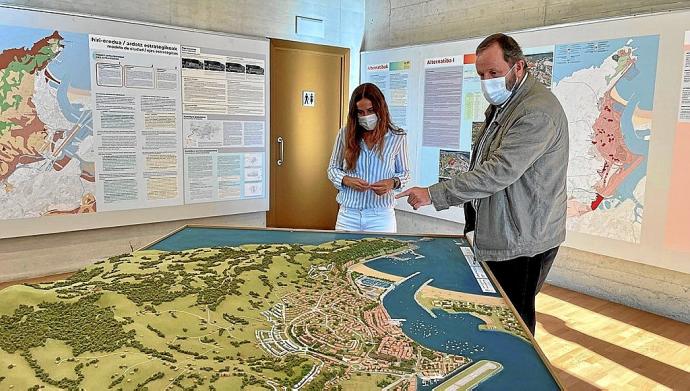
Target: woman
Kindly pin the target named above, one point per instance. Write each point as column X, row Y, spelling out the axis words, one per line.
column 368, row 162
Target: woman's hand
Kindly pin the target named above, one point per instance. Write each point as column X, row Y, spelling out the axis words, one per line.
column 355, row 183
column 383, row 186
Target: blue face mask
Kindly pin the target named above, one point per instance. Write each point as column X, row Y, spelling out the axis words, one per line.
column 495, row 90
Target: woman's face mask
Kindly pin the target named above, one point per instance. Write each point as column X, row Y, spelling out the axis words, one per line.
column 368, row 122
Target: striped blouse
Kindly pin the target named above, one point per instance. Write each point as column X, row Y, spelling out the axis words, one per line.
column 372, row 167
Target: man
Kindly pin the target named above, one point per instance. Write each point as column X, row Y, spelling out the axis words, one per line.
column 514, row 193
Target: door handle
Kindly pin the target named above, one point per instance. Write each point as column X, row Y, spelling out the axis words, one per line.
column 281, row 157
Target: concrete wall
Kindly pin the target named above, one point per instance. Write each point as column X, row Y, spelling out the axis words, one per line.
column 648, row 288
column 407, row 22
column 344, row 27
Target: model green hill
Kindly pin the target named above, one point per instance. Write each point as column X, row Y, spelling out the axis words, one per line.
column 155, row 319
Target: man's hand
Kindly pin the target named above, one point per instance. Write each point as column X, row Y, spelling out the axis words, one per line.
column 383, row 186
column 416, row 197
column 355, row 183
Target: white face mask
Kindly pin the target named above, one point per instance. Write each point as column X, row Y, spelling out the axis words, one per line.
column 368, row 122
column 495, row 90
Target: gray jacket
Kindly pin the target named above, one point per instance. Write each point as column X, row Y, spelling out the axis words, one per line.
column 520, row 182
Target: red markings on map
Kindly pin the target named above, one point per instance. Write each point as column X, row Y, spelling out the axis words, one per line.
column 619, row 161
column 597, row 201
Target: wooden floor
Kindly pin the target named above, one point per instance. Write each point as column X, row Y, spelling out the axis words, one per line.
column 594, row 344
column 597, row 345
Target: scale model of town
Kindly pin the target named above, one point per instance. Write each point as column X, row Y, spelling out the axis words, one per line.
column 266, row 311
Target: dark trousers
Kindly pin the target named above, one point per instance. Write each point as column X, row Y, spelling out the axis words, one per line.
column 521, row 279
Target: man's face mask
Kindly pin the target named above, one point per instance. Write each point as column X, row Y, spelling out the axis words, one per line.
column 368, row 122
column 495, row 90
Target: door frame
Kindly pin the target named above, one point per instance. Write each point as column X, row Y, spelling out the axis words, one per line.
column 344, row 53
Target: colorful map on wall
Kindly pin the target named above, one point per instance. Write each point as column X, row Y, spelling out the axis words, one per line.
column 607, row 90
column 46, row 137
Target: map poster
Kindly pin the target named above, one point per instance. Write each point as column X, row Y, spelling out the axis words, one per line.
column 393, row 80
column 231, row 309
column 212, row 131
column 678, row 223
column 475, row 105
column 398, row 93
column 228, row 83
column 137, row 122
column 378, row 74
column 540, row 64
column 684, row 109
column 224, row 127
column 442, row 102
column 476, row 131
column 47, row 161
column 447, row 126
column 452, row 163
column 607, row 90
column 223, row 174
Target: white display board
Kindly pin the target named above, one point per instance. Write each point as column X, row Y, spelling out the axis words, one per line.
column 106, row 122
column 619, row 81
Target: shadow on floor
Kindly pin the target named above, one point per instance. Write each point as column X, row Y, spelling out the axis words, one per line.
column 650, row 368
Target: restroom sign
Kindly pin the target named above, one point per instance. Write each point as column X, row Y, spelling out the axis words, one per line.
column 308, row 98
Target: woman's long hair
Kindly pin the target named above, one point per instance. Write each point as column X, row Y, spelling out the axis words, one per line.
column 354, row 132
